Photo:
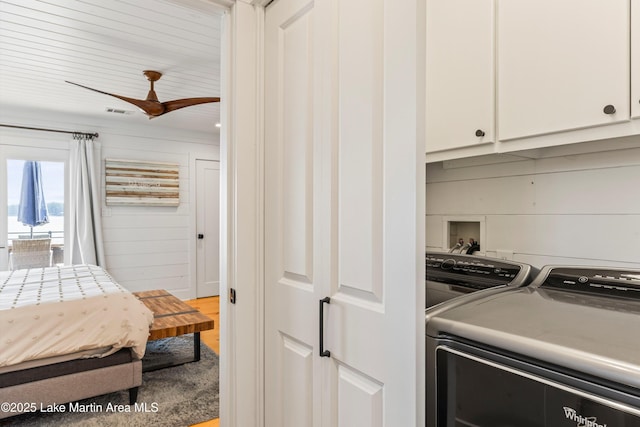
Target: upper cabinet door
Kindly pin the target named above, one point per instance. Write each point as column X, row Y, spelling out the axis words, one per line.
column 563, row 65
column 635, row 58
column 460, row 74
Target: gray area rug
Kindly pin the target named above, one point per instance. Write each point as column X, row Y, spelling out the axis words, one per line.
column 175, row 397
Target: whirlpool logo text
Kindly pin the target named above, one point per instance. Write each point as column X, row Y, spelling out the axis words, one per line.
column 582, row 421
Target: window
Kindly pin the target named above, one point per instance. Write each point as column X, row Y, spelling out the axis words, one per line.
column 53, row 189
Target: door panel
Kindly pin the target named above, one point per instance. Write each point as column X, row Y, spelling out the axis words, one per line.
column 291, row 286
column 297, row 373
column 360, row 82
column 360, row 399
column 208, row 225
column 296, row 125
column 341, row 183
column 356, row 312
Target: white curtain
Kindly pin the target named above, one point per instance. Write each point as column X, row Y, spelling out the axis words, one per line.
column 85, row 210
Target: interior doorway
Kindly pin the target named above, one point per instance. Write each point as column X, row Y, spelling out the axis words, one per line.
column 207, row 228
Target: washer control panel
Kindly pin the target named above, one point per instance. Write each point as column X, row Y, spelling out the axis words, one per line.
column 471, row 271
column 608, row 282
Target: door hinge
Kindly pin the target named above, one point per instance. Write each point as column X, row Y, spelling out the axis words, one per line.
column 232, row 295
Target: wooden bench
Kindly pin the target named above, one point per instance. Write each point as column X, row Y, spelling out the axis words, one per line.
column 171, row 318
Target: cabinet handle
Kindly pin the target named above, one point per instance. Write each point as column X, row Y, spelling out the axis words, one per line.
column 609, row 109
column 323, row 352
column 479, row 132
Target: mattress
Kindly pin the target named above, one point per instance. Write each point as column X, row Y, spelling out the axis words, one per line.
column 54, row 311
column 29, row 364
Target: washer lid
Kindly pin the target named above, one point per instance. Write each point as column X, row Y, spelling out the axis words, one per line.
column 591, row 333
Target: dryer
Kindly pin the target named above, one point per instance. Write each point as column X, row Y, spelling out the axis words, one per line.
column 561, row 352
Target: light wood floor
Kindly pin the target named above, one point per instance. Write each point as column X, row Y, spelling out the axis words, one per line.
column 210, row 307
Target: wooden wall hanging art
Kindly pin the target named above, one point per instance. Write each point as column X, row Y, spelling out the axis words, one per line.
column 134, row 182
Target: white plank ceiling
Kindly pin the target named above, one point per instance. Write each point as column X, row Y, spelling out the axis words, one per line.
column 106, row 44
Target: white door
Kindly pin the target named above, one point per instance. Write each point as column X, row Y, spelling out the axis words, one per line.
column 341, row 214
column 208, row 228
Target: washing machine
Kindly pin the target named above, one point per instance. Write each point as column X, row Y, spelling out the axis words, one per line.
column 450, row 276
column 561, row 352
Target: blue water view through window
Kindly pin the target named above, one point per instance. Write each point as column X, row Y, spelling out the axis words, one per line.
column 52, row 174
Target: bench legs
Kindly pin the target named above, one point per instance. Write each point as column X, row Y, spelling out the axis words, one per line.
column 173, row 362
column 196, row 346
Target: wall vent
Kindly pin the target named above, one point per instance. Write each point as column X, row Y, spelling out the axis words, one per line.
column 117, row 110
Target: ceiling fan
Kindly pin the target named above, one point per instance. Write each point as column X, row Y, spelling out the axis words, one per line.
column 151, row 106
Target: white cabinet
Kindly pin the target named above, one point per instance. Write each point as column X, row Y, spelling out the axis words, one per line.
column 459, row 74
column 529, row 74
column 562, row 65
column 635, row 58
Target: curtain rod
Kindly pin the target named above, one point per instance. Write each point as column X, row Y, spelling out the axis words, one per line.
column 92, row 135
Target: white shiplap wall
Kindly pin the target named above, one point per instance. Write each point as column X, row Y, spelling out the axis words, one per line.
column 146, row 247
column 566, row 206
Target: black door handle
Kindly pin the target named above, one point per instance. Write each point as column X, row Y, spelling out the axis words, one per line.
column 323, row 352
column 200, row 236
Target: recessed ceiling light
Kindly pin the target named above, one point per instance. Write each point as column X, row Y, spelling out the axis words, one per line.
column 218, row 125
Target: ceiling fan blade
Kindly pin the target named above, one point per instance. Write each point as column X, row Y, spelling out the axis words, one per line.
column 186, row 102
column 151, row 108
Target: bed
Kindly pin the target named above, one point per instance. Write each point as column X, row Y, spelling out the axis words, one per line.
column 68, row 333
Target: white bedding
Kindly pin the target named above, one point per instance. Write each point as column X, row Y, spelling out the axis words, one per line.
column 53, row 311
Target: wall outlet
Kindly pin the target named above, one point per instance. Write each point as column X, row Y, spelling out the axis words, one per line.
column 504, row 254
